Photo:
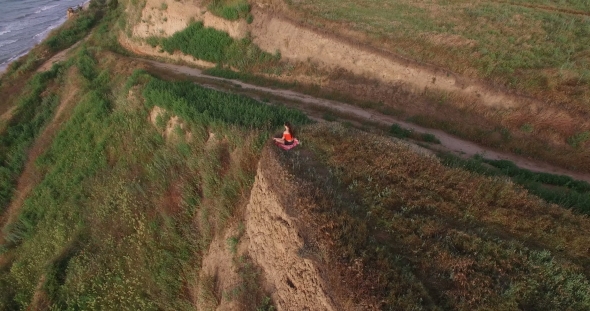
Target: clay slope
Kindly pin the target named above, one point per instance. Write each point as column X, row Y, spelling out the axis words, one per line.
column 275, row 241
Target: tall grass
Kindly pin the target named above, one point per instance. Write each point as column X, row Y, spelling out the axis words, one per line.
column 216, row 46
column 558, row 189
column 73, row 32
column 34, row 109
column 528, row 47
column 193, row 102
column 423, row 236
column 123, row 214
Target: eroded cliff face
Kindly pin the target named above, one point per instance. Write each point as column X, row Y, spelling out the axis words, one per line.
column 273, row 31
column 275, row 243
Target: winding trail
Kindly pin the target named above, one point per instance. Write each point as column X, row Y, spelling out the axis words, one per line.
column 448, row 142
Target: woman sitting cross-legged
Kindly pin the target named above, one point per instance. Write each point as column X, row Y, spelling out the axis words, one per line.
column 288, row 137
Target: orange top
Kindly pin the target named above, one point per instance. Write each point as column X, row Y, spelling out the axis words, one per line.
column 287, row 136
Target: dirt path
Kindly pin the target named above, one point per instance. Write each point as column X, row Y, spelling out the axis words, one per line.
column 30, row 175
column 61, row 56
column 448, row 142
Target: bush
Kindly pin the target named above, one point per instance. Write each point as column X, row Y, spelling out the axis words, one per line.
column 229, row 11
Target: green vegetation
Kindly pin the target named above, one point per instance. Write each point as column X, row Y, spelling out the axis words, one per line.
column 194, row 102
column 577, row 140
column 35, row 108
column 231, row 9
column 216, row 46
column 558, row 189
column 201, row 42
column 399, row 132
column 122, row 214
column 73, row 32
column 416, row 235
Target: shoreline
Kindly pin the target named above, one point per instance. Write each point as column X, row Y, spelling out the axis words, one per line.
column 4, row 67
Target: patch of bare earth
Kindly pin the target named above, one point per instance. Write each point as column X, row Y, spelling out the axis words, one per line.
column 30, row 176
column 174, row 127
column 61, row 56
column 218, row 276
column 294, row 282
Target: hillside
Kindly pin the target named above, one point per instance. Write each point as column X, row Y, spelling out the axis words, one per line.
column 137, row 170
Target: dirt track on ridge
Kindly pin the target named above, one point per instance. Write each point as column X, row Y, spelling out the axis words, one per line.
column 448, row 142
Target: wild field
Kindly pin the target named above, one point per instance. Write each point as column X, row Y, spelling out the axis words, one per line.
column 416, row 235
column 536, row 50
column 124, row 208
column 537, row 46
column 146, row 172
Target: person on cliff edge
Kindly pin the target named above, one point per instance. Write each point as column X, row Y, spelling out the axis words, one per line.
column 288, row 135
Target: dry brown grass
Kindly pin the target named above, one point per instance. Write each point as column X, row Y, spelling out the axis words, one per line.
column 462, row 37
column 429, row 236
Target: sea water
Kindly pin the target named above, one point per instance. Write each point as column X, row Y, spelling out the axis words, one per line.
column 25, row 23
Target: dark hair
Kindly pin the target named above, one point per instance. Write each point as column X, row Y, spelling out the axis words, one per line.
column 290, row 128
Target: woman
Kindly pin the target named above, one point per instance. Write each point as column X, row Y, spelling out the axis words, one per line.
column 288, row 135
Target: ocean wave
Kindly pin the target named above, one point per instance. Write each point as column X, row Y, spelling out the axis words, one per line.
column 40, row 36
column 4, row 31
column 45, row 8
column 7, row 42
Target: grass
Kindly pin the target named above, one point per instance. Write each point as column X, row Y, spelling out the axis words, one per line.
column 558, row 189
column 34, row 109
column 231, row 9
column 429, row 237
column 399, row 132
column 122, row 215
column 216, row 46
column 520, row 44
column 73, row 32
column 198, row 103
column 520, row 47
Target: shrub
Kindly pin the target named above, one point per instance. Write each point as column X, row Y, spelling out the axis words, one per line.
column 230, row 11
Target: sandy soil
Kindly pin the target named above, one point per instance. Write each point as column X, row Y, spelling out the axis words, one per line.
column 160, row 22
column 448, row 142
column 275, row 240
column 173, row 122
column 217, row 263
column 165, row 17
